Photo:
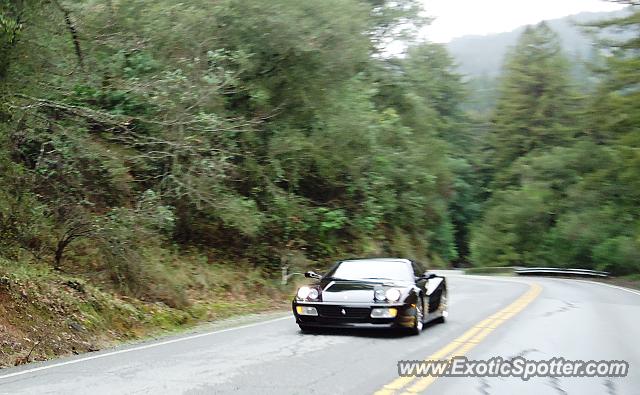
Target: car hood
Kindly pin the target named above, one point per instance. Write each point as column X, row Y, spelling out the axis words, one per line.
column 356, row 291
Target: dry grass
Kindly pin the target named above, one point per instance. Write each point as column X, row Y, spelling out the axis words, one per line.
column 45, row 314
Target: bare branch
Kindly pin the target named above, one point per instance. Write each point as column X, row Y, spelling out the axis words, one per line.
column 73, row 31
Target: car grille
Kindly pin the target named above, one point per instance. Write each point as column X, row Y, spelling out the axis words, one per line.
column 349, row 312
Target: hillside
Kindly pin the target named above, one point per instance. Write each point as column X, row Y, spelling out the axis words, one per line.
column 484, row 55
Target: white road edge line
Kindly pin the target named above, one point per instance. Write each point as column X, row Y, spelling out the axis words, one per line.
column 515, row 279
column 138, row 348
column 611, row 286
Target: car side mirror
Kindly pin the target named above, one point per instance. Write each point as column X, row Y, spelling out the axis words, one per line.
column 311, row 274
column 429, row 276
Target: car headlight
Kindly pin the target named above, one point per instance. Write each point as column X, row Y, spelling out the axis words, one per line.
column 313, row 294
column 307, row 310
column 303, row 292
column 384, row 313
column 392, row 294
column 379, row 294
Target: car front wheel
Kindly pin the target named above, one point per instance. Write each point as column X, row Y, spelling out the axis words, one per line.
column 443, row 308
column 418, row 323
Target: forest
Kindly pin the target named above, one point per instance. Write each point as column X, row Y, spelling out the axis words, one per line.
column 142, row 142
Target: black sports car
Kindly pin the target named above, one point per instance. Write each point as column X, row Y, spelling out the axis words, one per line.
column 374, row 293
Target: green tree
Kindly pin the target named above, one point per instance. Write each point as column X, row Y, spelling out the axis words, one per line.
column 534, row 106
column 569, row 202
column 535, row 113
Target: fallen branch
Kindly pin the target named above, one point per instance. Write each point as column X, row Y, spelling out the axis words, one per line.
column 73, row 31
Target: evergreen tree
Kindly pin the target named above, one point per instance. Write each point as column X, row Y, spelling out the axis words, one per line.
column 534, row 115
column 533, row 110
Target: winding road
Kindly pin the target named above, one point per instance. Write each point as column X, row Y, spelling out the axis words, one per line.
column 536, row 318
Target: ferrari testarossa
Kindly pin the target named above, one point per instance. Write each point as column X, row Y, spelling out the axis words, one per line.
column 372, row 293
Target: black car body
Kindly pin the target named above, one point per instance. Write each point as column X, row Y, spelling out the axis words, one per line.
column 373, row 293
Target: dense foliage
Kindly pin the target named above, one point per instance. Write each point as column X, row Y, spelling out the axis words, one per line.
column 241, row 129
column 255, row 130
column 562, row 171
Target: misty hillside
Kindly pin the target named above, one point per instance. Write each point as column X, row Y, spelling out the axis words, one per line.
column 483, row 55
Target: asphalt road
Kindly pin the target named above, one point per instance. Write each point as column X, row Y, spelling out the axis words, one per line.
column 556, row 318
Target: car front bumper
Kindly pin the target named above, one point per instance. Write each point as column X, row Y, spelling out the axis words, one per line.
column 333, row 315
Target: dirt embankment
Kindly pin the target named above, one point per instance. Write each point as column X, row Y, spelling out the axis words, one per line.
column 48, row 315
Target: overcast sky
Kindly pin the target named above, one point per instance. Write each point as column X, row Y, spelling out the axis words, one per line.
column 456, row 18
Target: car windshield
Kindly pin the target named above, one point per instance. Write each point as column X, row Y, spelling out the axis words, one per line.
column 372, row 270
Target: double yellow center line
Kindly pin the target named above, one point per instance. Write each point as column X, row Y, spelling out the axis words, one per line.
column 461, row 345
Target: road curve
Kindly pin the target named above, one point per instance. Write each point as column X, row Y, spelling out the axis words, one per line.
column 564, row 318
